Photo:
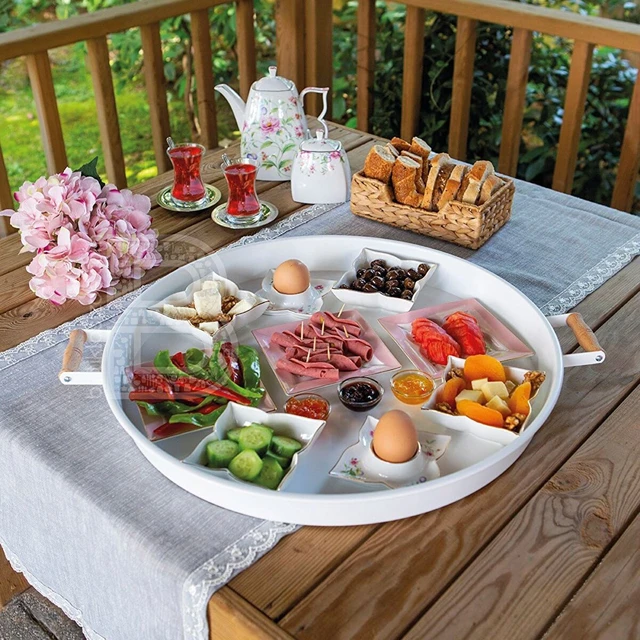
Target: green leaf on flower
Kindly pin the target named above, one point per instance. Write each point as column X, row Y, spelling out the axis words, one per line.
column 90, row 170
column 265, row 144
column 284, row 164
column 288, row 147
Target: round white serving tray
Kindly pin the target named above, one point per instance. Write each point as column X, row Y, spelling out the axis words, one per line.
column 313, row 496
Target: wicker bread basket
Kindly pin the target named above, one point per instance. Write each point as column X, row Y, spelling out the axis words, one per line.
column 465, row 224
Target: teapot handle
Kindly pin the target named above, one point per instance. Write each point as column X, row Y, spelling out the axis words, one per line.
column 323, row 91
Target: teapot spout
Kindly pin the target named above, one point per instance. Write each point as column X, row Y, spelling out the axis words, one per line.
column 235, row 101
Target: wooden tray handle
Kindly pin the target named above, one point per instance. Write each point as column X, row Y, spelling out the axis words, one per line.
column 73, row 353
column 583, row 333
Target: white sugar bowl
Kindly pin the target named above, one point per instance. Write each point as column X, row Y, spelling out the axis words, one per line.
column 321, row 172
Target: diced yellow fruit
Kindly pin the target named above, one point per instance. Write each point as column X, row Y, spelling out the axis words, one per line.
column 500, row 405
column 477, row 384
column 472, row 395
column 491, row 389
column 510, row 386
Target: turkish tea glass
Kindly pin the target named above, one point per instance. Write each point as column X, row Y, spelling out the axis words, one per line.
column 240, row 173
column 187, row 182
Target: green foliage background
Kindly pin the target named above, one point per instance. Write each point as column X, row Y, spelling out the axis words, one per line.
column 603, row 125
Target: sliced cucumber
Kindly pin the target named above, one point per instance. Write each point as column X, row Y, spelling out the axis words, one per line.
column 282, row 461
column 221, row 452
column 271, row 473
column 234, row 434
column 284, row 446
column 262, row 426
column 246, row 465
column 255, row 438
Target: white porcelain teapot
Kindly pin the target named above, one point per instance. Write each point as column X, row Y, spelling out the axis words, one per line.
column 272, row 122
column 321, row 172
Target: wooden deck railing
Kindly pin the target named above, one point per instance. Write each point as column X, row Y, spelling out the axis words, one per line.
column 304, row 52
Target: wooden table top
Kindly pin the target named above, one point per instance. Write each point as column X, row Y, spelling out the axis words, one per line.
column 549, row 548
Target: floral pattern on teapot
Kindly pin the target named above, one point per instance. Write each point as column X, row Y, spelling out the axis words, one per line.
column 275, row 134
column 320, row 163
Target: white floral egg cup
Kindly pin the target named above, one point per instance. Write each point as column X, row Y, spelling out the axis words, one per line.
column 305, row 303
column 359, row 463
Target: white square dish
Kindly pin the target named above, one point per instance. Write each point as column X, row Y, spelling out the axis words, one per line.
column 379, row 300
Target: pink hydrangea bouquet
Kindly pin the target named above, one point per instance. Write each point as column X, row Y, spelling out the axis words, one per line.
column 86, row 235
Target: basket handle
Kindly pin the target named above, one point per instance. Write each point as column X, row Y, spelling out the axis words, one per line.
column 593, row 351
column 72, row 357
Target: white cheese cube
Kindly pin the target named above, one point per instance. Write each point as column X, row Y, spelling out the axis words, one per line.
column 477, row 384
column 208, row 303
column 491, row 389
column 469, row 394
column 240, row 307
column 500, row 405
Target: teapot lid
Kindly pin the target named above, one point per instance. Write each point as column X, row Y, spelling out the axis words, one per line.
column 273, row 82
column 320, row 143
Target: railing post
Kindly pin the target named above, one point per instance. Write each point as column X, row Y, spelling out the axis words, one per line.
column 624, row 191
column 44, row 94
column 462, row 85
column 412, row 71
column 577, row 87
column 156, row 90
column 201, row 38
column 98, row 54
column 319, row 52
column 514, row 104
column 366, row 45
column 290, row 40
column 6, row 198
column 246, row 45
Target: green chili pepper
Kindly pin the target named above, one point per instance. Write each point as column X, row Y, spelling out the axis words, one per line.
column 250, row 362
column 196, row 363
column 169, row 408
column 218, row 374
column 198, row 419
column 162, row 362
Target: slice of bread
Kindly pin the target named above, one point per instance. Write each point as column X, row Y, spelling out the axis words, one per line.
column 392, row 149
column 472, row 184
column 490, row 186
column 403, row 178
column 419, row 160
column 420, row 148
column 440, row 168
column 453, row 186
column 379, row 164
column 400, row 144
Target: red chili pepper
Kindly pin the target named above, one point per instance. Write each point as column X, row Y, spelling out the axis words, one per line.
column 210, row 408
column 234, row 368
column 151, row 380
column 190, row 398
column 178, row 360
column 149, row 395
column 171, row 429
column 195, row 385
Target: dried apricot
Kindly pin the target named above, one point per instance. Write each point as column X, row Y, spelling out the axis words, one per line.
column 450, row 390
column 481, row 414
column 519, row 399
column 481, row 366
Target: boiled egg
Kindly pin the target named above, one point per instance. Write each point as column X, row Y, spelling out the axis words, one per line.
column 291, row 277
column 395, row 438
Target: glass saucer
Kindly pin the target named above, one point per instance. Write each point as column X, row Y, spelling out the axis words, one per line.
column 166, row 200
column 268, row 212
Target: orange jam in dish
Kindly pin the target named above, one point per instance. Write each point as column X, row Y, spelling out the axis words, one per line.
column 308, row 406
column 412, row 387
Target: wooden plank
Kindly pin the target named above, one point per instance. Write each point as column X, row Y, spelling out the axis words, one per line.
column 246, row 45
column 157, row 94
column 366, row 52
column 515, row 586
column 98, row 54
column 412, row 71
column 44, row 94
column 603, row 31
column 607, row 604
column 577, row 86
column 57, row 33
column 11, row 582
column 274, row 585
column 204, row 78
column 514, row 103
column 624, row 191
column 407, row 564
column 6, row 198
column 462, row 84
column 290, row 40
column 319, row 53
column 232, row 618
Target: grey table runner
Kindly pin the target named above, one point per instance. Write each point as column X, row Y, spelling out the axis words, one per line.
column 131, row 556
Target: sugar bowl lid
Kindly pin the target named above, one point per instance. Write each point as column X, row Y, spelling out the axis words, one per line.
column 273, row 82
column 320, row 143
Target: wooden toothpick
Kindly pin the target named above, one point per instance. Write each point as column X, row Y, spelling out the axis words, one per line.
column 341, row 310
column 314, row 342
column 346, row 333
column 328, row 353
column 301, row 330
column 308, row 355
column 322, row 332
